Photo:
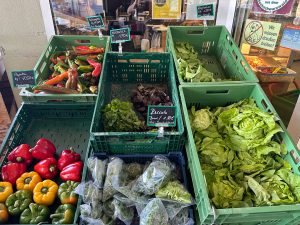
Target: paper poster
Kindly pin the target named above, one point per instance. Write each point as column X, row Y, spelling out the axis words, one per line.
column 194, row 8
column 291, row 37
column 261, row 34
column 279, row 7
column 166, row 9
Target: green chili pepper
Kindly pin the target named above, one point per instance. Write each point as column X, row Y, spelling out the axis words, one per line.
column 85, row 69
column 82, row 57
column 80, row 62
column 72, row 63
column 35, row 214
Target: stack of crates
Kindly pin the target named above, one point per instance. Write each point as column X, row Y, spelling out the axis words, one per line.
column 75, row 120
column 225, row 60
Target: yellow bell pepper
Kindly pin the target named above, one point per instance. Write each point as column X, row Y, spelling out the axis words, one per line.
column 45, row 192
column 28, row 181
column 6, row 190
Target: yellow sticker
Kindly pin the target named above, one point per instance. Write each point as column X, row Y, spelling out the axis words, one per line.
column 166, row 9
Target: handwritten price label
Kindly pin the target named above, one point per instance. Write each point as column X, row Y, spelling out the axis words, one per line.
column 120, row 35
column 24, row 78
column 161, row 116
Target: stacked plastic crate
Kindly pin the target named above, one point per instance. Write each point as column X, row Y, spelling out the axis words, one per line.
column 224, row 59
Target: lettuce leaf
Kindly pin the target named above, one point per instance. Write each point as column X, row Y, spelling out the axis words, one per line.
column 242, row 161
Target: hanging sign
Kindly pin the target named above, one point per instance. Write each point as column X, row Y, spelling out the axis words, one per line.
column 161, row 116
column 95, row 22
column 166, row 9
column 205, row 10
column 291, row 37
column 279, row 7
column 120, row 35
column 201, row 10
column 261, row 34
column 24, row 78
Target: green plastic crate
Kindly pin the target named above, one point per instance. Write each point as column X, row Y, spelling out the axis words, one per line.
column 121, row 74
column 222, row 95
column 66, row 125
column 285, row 104
column 215, row 44
column 42, row 72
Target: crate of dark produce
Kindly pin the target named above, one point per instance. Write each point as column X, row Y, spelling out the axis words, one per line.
column 135, row 189
column 244, row 166
column 41, row 163
column 130, row 83
column 205, row 55
column 69, row 69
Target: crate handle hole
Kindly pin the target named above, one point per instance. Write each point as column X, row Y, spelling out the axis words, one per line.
column 234, row 55
column 122, row 61
column 139, row 60
column 195, row 32
column 44, row 64
column 294, row 157
column 217, row 92
column 155, row 61
column 82, row 41
column 264, row 104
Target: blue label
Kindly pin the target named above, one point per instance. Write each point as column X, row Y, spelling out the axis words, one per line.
column 291, row 39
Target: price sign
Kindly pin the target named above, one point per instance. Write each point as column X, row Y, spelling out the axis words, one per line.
column 205, row 10
column 120, row 35
column 95, row 22
column 161, row 116
column 23, row 78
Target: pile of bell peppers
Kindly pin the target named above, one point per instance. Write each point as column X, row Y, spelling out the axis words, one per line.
column 28, row 194
column 74, row 71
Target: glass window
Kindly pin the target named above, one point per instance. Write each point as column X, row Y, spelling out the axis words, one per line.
column 69, row 18
column 260, row 29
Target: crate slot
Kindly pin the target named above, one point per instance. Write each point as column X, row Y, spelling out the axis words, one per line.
column 264, row 104
column 217, row 92
column 294, row 156
column 234, row 55
column 86, row 41
column 139, row 60
column 195, row 32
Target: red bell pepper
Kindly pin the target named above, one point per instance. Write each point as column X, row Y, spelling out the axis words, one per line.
column 21, row 154
column 67, row 157
column 47, row 168
column 43, row 149
column 12, row 171
column 97, row 67
column 72, row 172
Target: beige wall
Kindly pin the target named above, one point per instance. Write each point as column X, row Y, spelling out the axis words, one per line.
column 22, row 34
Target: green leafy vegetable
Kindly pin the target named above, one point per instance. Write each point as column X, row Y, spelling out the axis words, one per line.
column 242, row 162
column 190, row 66
column 174, row 191
column 120, row 116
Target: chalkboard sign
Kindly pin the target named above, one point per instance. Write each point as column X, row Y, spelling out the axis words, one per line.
column 120, row 35
column 161, row 116
column 205, row 10
column 23, row 78
column 95, row 22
